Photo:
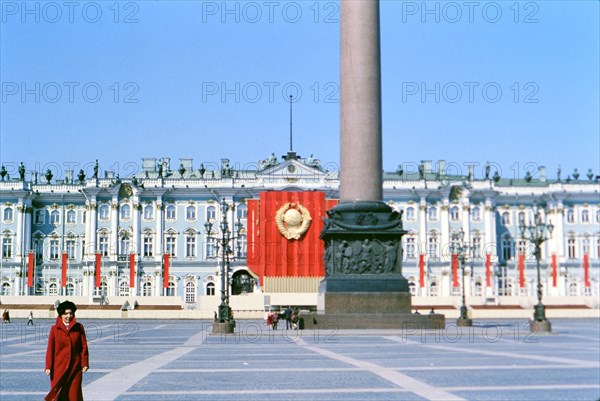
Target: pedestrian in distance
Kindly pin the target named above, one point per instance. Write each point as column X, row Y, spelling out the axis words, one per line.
column 5, row 317
column 66, row 356
column 287, row 314
column 30, row 318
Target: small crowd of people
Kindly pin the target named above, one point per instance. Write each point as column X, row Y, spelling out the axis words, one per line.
column 6, row 317
column 291, row 317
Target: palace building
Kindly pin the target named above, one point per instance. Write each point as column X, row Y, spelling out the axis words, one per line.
column 167, row 231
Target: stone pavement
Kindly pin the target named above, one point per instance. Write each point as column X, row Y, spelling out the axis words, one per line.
column 180, row 360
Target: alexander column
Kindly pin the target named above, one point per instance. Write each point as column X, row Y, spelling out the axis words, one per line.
column 364, row 286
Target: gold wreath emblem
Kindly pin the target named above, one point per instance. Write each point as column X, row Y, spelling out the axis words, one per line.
column 292, row 220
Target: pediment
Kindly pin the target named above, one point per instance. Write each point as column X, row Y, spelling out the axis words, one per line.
column 293, row 171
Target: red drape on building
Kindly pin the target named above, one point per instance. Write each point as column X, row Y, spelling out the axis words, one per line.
column 98, row 270
column 131, row 270
column 64, row 270
column 554, row 268
column 488, row 270
column 454, row 270
column 422, row 270
column 30, row 269
column 273, row 255
column 521, row 270
column 586, row 270
column 166, row 261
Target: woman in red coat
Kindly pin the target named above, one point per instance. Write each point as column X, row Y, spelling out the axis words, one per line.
column 67, row 356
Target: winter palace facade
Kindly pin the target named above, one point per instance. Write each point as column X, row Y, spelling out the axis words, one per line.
column 103, row 237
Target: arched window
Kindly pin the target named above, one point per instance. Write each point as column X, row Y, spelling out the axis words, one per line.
column 125, row 212
column 585, row 216
column 211, row 213
column 171, row 288
column 103, row 288
column 210, row 289
column 433, row 290
column 190, row 213
column 573, row 290
column 242, row 211
column 242, row 283
column 506, row 218
column 123, row 289
column 71, row 217
column 170, row 212
column 55, row 217
column 148, row 212
column 103, row 212
column 5, row 288
column 8, row 214
column 413, row 288
column 190, row 292
column 410, row 213
column 521, row 217
column 478, row 289
column 53, row 289
column 242, row 245
column 454, row 213
column 476, row 213
column 570, row 215
column 147, row 289
column 70, row 289
column 432, row 213
column 211, row 247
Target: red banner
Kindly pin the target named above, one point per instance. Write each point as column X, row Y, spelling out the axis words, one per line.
column 521, row 270
column 270, row 253
column 98, row 270
column 131, row 270
column 554, row 268
column 64, row 270
column 422, row 270
column 166, row 270
column 488, row 270
column 30, row 269
column 454, row 270
column 586, row 270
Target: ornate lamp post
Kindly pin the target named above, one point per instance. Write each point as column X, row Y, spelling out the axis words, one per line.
column 461, row 250
column 537, row 232
column 225, row 322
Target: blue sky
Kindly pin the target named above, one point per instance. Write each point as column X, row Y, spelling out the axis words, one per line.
column 513, row 83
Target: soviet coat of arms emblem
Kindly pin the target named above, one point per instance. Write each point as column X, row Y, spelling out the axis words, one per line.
column 292, row 220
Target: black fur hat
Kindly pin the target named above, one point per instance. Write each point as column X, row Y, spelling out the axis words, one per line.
column 63, row 306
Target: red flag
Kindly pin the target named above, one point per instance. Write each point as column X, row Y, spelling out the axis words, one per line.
column 454, row 270
column 166, row 270
column 98, row 269
column 30, row 269
column 554, row 270
column 131, row 270
column 422, row 270
column 586, row 270
column 64, row 270
column 488, row 270
column 521, row 270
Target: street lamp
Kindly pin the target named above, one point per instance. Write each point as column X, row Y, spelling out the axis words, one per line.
column 225, row 322
column 461, row 250
column 537, row 232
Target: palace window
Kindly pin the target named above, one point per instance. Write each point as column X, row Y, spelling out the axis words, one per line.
column 71, row 217
column 170, row 245
column 103, row 212
column 507, row 249
column 103, row 245
column 190, row 292
column 147, row 289
column 54, row 249
column 570, row 215
column 571, row 246
column 70, row 289
column 410, row 213
column 7, row 248
column 190, row 213
column 585, row 216
column 171, row 289
column 454, row 213
column 70, row 245
column 586, row 245
column 433, row 243
column 123, row 289
column 476, row 213
column 432, row 213
column 506, row 218
column 211, row 213
column 8, row 214
column 521, row 217
column 242, row 212
column 125, row 212
column 148, row 212
column 5, row 288
column 170, row 212
column 55, row 217
column 190, row 246
column 242, row 246
column 124, row 246
column 53, row 289
column 39, row 216
column 476, row 250
column 148, row 246
column 210, row 289
column 410, row 247
column 211, row 247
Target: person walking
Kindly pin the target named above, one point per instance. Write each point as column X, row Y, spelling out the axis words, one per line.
column 30, row 318
column 5, row 317
column 287, row 314
column 67, row 356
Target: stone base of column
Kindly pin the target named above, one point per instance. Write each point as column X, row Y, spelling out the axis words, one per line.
column 464, row 322
column 223, row 328
column 540, row 326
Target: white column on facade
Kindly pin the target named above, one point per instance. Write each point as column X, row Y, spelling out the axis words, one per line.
column 444, row 227
column 490, row 244
column 114, row 227
column 422, row 241
column 92, row 218
column 159, row 246
column 20, row 255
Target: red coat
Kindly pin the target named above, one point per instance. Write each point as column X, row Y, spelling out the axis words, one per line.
column 66, row 355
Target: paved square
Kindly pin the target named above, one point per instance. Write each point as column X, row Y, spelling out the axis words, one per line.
column 180, row 360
